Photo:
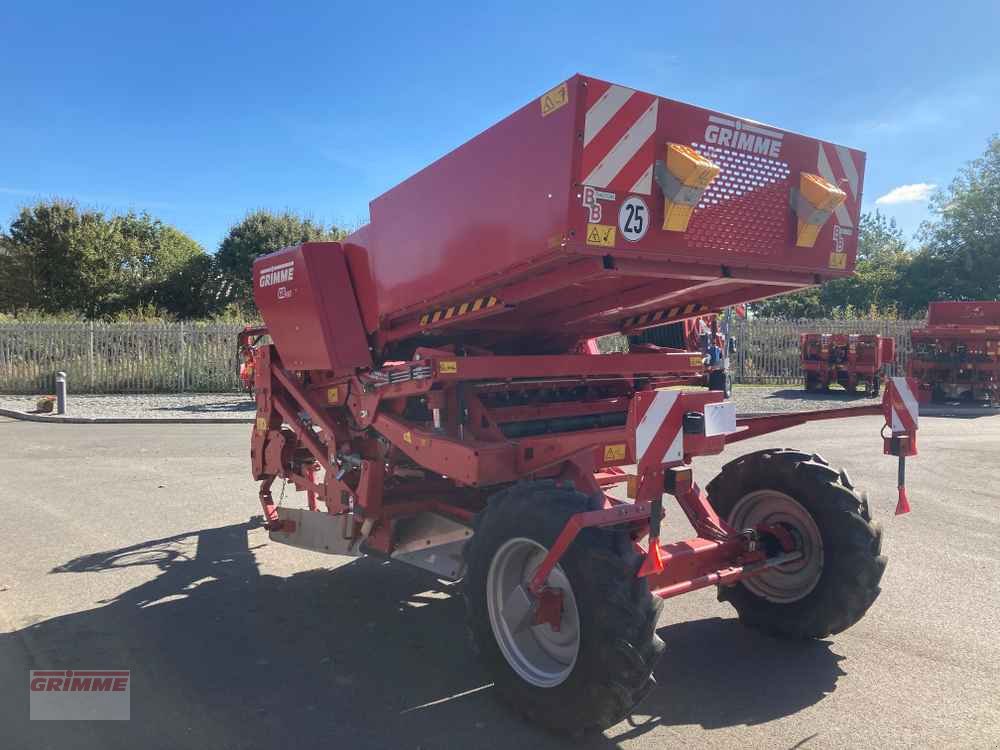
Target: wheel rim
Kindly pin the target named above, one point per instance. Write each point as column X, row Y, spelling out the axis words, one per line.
column 791, row 581
column 539, row 654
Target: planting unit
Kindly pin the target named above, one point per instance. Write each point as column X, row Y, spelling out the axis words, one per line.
column 850, row 360
column 957, row 355
column 433, row 389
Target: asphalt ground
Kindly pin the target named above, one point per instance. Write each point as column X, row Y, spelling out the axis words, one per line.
column 134, row 546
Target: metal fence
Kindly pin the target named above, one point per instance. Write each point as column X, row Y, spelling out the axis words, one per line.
column 119, row 357
column 202, row 357
column 767, row 351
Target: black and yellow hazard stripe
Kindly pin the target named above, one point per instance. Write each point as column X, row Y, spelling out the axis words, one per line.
column 456, row 311
column 660, row 316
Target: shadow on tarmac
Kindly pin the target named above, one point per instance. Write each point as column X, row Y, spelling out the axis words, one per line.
column 371, row 653
column 249, row 405
column 801, row 394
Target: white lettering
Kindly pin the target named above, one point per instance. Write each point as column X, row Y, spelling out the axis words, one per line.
column 276, row 275
column 743, row 139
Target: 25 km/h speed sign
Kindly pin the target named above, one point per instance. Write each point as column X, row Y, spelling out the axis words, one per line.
column 633, row 218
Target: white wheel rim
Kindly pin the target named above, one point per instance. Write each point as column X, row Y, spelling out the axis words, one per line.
column 538, row 654
column 795, row 580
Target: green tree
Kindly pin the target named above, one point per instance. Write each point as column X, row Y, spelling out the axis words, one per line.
column 43, row 260
column 64, row 259
column 962, row 243
column 873, row 289
column 194, row 290
column 878, row 237
column 258, row 233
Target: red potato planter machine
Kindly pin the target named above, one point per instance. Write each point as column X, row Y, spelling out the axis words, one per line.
column 850, row 360
column 430, row 388
column 957, row 354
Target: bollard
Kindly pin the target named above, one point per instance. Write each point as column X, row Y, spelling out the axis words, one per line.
column 60, row 392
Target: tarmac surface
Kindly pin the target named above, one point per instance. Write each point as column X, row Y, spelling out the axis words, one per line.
column 134, row 547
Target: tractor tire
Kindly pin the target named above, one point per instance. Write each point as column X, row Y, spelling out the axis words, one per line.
column 838, row 580
column 606, row 648
column 719, row 380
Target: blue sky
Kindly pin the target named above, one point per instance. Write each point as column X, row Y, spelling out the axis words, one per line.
column 200, row 111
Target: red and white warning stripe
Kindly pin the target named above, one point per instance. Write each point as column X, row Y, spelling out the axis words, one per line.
column 904, row 411
column 618, row 148
column 840, row 166
column 659, row 432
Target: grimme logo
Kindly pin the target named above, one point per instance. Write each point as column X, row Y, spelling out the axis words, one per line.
column 743, row 136
column 276, row 274
column 79, row 694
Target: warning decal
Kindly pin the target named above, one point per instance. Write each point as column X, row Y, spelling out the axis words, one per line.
column 614, row 452
column 447, row 313
column 554, row 99
column 601, row 234
column 618, row 149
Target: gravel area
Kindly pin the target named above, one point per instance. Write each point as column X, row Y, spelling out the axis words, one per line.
column 768, row 399
column 749, row 400
column 148, row 406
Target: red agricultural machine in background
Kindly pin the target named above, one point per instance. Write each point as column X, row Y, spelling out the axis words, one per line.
column 430, row 391
column 708, row 334
column 957, row 355
column 246, row 344
column 849, row 360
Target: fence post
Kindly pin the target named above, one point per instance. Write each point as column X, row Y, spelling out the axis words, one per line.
column 90, row 357
column 180, row 353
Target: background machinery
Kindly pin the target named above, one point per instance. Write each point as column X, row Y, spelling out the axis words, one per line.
column 708, row 334
column 957, row 354
column 431, row 390
column 850, row 360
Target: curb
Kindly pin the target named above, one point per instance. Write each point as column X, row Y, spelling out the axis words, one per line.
column 26, row 417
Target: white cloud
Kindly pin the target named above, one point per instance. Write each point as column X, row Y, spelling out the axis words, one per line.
column 915, row 193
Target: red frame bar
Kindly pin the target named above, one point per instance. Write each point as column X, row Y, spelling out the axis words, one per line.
column 767, row 423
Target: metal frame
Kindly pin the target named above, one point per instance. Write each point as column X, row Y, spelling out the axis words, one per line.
column 433, row 436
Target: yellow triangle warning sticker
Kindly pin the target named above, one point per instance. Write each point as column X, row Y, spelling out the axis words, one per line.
column 601, row 234
column 554, row 99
